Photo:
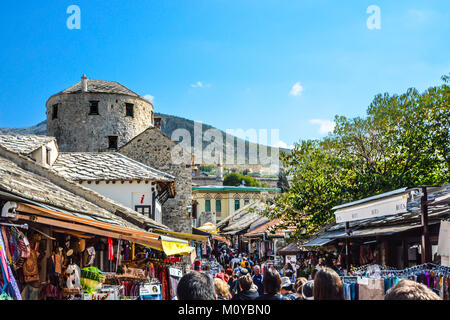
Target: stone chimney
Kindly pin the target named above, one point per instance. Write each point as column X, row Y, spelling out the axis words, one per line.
column 84, row 83
column 157, row 122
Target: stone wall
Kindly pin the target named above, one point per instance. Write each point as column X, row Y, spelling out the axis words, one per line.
column 206, row 181
column 206, row 217
column 77, row 131
column 157, row 150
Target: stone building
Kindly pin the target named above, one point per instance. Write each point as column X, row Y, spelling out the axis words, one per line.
column 219, row 202
column 155, row 149
column 96, row 115
column 99, row 116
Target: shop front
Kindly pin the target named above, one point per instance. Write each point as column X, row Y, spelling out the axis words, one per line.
column 51, row 254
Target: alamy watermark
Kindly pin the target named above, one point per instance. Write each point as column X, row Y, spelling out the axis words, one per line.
column 374, row 20
column 74, row 20
column 235, row 147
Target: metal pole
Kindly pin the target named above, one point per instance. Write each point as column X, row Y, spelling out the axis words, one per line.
column 347, row 251
column 426, row 245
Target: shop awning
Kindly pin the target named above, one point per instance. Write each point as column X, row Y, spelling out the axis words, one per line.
column 172, row 246
column 212, row 235
column 378, row 231
column 291, row 248
column 221, row 239
column 68, row 221
column 317, row 242
column 368, row 232
column 180, row 235
column 208, row 227
column 444, row 200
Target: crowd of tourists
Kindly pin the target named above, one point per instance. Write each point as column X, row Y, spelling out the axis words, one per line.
column 241, row 279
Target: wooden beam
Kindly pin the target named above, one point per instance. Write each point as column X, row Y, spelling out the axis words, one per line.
column 151, row 242
column 23, row 207
column 68, row 225
column 73, row 233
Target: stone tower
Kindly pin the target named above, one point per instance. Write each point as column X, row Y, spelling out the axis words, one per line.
column 96, row 115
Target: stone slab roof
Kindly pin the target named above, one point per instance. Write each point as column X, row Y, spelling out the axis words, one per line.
column 267, row 227
column 98, row 166
column 23, row 143
column 102, row 86
column 242, row 219
column 37, row 188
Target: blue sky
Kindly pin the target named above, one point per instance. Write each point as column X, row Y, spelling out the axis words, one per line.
column 286, row 64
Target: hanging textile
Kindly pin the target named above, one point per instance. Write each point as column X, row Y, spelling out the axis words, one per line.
column 173, row 248
column 30, row 268
column 110, row 249
column 370, row 283
column 372, row 289
column 6, row 268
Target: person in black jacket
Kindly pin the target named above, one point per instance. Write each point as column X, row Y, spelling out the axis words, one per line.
column 272, row 286
column 248, row 291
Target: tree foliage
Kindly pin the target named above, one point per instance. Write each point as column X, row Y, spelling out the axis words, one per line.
column 403, row 142
column 235, row 179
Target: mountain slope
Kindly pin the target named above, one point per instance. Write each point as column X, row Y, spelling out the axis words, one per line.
column 169, row 124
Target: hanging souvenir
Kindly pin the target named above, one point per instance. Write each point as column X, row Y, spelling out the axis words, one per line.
column 73, row 279
column 30, row 267
column 110, row 249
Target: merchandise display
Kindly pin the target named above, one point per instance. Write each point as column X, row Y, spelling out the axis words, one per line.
column 72, row 266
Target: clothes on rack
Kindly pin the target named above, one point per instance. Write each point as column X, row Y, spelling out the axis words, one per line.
column 444, row 243
column 374, row 283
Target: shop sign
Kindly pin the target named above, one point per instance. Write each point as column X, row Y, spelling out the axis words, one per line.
column 291, row 259
column 386, row 207
column 175, row 272
column 149, row 290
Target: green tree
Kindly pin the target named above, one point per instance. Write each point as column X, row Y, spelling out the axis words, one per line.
column 235, row 179
column 403, row 142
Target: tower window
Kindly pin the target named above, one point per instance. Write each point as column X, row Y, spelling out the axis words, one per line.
column 236, row 205
column 112, row 142
column 129, row 110
column 208, row 205
column 93, row 107
column 55, row 111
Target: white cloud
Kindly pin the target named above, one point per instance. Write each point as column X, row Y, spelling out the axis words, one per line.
column 296, row 89
column 149, row 97
column 200, row 84
column 282, row 144
column 417, row 15
column 326, row 126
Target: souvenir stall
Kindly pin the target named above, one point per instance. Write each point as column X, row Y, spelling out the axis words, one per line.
column 154, row 277
column 200, row 256
column 83, row 259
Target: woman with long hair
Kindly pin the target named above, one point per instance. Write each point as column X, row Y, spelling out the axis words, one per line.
column 328, row 285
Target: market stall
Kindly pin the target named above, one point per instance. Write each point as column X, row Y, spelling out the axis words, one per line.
column 51, row 254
